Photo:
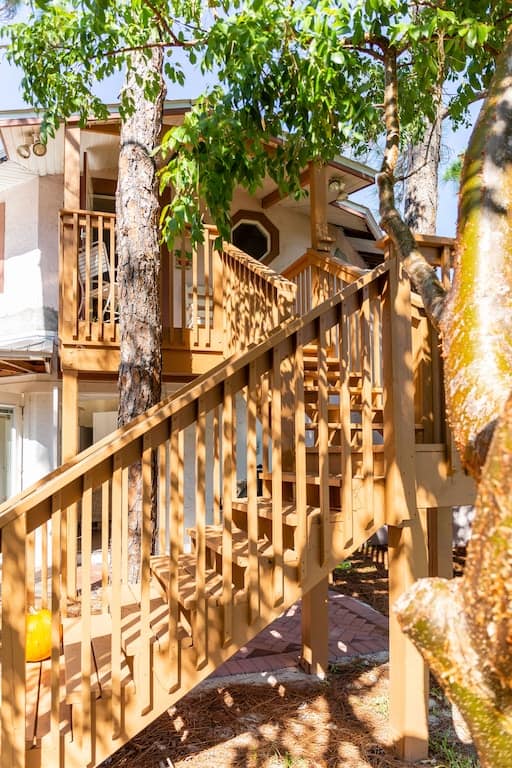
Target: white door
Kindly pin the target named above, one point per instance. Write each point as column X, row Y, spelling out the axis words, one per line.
column 10, row 465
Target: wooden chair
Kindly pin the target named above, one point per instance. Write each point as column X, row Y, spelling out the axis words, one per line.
column 99, row 263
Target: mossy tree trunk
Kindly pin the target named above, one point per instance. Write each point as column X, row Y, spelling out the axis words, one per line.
column 463, row 628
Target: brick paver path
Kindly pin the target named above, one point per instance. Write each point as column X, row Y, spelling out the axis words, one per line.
column 355, row 629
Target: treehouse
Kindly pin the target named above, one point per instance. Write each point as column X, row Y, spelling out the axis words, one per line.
column 304, row 410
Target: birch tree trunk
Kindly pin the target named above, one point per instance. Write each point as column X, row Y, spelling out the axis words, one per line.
column 139, row 268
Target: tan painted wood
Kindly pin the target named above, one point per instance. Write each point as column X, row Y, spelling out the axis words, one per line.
column 439, row 526
column 323, row 442
column 408, row 676
column 56, row 598
column 176, row 469
column 345, row 421
column 115, row 604
column 217, row 442
column 201, row 617
column 315, row 629
column 252, row 506
column 84, row 736
column 399, row 425
column 69, row 448
column 320, row 239
column 71, row 167
column 143, row 678
column 13, row 645
column 228, row 493
column 300, row 458
column 277, row 483
column 367, row 410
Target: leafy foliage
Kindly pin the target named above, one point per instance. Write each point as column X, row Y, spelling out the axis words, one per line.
column 314, row 74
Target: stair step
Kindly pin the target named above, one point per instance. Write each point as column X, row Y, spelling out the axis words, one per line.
column 187, row 581
column 311, row 479
column 240, row 545
column 288, row 510
column 335, row 449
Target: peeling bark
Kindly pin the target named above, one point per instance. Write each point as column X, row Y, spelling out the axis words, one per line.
column 140, row 323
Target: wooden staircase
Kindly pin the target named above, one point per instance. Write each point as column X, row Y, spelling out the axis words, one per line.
column 314, row 420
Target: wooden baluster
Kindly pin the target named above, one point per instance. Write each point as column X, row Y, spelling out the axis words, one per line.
column 195, row 306
column 163, row 506
column 366, row 518
column 105, row 541
column 13, row 666
column 265, row 431
column 345, row 420
column 252, row 497
column 84, row 719
column 87, row 277
column 323, row 440
column 183, row 272
column 207, row 298
column 219, row 276
column 172, row 267
column 30, row 579
column 176, row 470
column 229, row 491
column 144, row 656
column 75, row 246
column 44, row 565
column 201, row 639
column 101, row 298
column 300, row 458
column 277, row 476
column 114, row 295
column 216, row 467
column 56, row 598
column 124, row 527
column 115, row 607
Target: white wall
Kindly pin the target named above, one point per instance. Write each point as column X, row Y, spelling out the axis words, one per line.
column 29, row 302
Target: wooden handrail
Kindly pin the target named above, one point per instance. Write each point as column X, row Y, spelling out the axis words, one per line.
column 256, row 299
column 123, row 438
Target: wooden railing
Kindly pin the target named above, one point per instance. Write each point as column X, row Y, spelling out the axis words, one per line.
column 257, row 300
column 318, row 276
column 211, row 300
column 333, row 435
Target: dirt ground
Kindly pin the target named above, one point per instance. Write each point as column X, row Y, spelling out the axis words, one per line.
column 291, row 720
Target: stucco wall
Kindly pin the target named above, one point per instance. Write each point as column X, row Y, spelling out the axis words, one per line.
column 29, row 302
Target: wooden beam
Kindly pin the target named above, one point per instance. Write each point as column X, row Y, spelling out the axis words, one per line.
column 320, row 240
column 71, row 167
column 315, row 629
column 276, row 195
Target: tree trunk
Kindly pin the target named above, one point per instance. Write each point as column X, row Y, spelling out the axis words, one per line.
column 463, row 628
column 140, row 323
column 422, row 182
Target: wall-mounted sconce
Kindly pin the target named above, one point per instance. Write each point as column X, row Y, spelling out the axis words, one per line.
column 337, row 185
column 38, row 148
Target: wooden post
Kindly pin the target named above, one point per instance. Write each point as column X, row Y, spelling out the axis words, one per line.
column 407, row 537
column 71, row 167
column 315, row 629
column 13, row 644
column 69, row 448
column 320, row 240
column 408, row 674
column 440, row 552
